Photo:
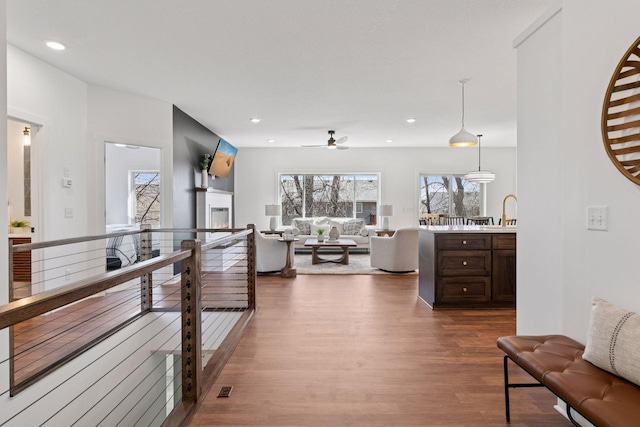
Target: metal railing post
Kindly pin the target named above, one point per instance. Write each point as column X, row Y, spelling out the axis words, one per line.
column 146, row 281
column 251, row 267
column 191, row 322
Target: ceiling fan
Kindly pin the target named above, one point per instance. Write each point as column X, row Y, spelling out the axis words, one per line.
column 332, row 144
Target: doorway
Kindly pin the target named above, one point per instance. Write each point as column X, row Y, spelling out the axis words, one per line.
column 23, row 202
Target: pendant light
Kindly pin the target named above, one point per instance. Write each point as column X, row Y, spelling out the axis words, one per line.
column 480, row 176
column 26, row 137
column 463, row 138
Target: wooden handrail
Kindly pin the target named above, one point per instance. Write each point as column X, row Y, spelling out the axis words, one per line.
column 23, row 247
column 27, row 308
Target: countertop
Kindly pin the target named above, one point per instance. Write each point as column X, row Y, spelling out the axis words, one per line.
column 436, row 229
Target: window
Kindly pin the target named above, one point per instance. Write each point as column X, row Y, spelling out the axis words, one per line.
column 145, row 197
column 354, row 196
column 449, row 194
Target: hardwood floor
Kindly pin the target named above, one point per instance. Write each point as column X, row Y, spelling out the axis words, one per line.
column 363, row 350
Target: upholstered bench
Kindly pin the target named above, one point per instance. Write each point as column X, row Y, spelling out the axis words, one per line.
column 556, row 362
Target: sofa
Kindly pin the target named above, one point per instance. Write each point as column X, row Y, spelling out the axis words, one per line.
column 349, row 228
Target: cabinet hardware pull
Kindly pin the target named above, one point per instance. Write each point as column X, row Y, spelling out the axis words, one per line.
column 464, row 262
column 464, row 242
column 464, row 290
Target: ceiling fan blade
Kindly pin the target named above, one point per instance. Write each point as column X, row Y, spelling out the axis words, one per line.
column 342, row 147
column 342, row 140
column 314, row 146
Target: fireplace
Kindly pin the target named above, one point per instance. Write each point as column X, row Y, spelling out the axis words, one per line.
column 219, row 218
column 214, row 209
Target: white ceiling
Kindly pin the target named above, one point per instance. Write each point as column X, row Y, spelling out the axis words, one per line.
column 361, row 67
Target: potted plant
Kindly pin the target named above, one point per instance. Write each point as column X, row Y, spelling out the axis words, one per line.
column 204, row 166
column 320, row 234
column 19, row 226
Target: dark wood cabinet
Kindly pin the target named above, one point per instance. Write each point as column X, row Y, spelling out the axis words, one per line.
column 467, row 270
column 21, row 268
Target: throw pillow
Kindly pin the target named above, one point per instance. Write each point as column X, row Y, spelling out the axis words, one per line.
column 322, row 220
column 353, row 227
column 613, row 343
column 303, row 224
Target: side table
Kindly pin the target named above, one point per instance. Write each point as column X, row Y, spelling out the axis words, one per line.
column 288, row 270
column 278, row 232
column 385, row 232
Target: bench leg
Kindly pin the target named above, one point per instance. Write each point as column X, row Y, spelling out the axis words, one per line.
column 506, row 389
column 507, row 385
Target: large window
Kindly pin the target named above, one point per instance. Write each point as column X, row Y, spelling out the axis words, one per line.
column 449, row 194
column 354, row 196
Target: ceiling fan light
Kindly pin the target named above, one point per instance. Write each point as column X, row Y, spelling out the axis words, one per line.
column 480, row 177
column 463, row 139
column 332, row 146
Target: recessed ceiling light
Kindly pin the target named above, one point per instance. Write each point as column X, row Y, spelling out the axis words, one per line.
column 271, row 140
column 254, row 120
column 55, row 45
column 389, row 140
column 411, row 120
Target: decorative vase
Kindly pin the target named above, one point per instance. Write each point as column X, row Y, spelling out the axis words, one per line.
column 204, row 179
column 334, row 233
column 320, row 237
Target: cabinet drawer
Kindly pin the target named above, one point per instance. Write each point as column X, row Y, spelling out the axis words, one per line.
column 504, row 241
column 464, row 263
column 464, row 289
column 464, row 241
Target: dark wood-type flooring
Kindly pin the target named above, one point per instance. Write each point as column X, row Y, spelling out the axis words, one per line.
column 364, row 350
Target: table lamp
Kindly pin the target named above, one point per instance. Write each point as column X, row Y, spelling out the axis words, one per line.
column 273, row 211
column 385, row 211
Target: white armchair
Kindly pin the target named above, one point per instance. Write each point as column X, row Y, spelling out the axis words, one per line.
column 271, row 255
column 398, row 253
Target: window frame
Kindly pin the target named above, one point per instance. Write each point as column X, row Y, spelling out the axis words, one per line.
column 377, row 176
column 450, row 211
column 132, row 202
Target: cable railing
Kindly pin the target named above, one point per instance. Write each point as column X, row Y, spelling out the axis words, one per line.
column 132, row 345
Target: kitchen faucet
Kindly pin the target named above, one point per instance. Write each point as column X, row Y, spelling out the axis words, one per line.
column 504, row 215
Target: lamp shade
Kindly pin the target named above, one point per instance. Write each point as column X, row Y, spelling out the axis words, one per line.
column 463, row 139
column 385, row 210
column 272, row 210
column 481, row 177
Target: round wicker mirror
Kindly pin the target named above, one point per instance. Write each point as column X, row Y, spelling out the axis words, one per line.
column 621, row 115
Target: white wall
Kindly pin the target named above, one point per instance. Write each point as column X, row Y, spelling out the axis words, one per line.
column 594, row 37
column 116, row 116
column 36, row 89
column 256, row 175
column 540, row 178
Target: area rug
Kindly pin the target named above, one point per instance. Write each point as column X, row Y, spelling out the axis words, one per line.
column 358, row 264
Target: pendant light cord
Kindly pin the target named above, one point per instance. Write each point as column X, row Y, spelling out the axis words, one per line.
column 479, row 150
column 462, row 83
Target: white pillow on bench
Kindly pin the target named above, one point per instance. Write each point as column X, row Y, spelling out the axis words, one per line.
column 613, row 343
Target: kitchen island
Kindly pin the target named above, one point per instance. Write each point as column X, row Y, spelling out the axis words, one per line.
column 467, row 266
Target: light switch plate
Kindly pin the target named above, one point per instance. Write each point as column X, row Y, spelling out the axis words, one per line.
column 597, row 218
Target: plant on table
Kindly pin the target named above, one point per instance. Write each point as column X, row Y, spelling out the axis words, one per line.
column 19, row 224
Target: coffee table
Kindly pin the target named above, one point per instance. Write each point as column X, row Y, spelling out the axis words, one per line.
column 344, row 244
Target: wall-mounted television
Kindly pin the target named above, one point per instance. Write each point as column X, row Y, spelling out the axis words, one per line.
column 223, row 159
